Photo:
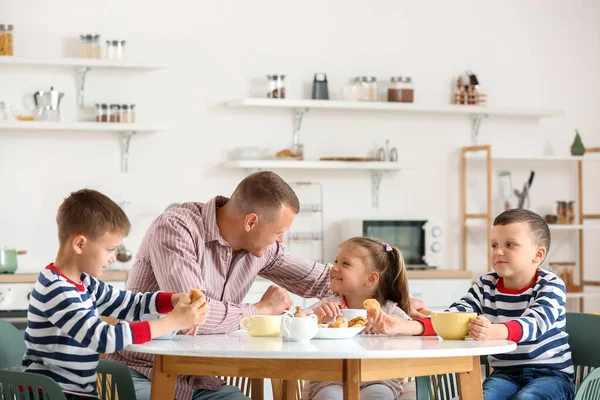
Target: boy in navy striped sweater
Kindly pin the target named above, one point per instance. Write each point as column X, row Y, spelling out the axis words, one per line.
column 65, row 333
column 520, row 302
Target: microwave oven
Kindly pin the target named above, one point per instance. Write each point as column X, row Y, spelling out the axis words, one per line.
column 420, row 241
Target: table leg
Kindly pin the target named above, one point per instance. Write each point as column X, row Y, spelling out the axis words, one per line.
column 289, row 389
column 163, row 385
column 469, row 383
column 258, row 389
column 352, row 380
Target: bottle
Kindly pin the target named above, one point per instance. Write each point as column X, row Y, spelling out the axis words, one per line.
column 395, row 89
column 320, row 91
column 368, row 88
column 408, row 90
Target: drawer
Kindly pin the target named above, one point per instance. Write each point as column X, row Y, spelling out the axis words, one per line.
column 439, row 294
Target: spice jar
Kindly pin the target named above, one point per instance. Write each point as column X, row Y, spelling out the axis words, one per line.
column 90, row 46
column 276, row 86
column 570, row 212
column 561, row 211
column 115, row 49
column 395, row 89
column 127, row 113
column 408, row 90
column 114, row 113
column 3, row 113
column 6, row 40
column 368, row 88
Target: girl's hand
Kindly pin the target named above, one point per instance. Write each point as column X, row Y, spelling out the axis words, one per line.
column 326, row 312
column 384, row 323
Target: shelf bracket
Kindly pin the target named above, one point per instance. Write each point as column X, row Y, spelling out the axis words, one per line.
column 125, row 140
column 297, row 146
column 375, row 184
column 477, row 118
column 81, row 75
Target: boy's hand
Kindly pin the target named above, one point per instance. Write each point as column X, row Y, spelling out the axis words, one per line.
column 384, row 323
column 326, row 312
column 189, row 316
column 480, row 328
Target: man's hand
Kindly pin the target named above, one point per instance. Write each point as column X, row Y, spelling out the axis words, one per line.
column 275, row 301
column 416, row 304
column 327, row 312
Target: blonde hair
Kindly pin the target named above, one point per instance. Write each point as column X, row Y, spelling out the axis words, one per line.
column 389, row 263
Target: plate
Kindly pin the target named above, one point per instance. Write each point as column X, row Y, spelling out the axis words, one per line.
column 338, row 333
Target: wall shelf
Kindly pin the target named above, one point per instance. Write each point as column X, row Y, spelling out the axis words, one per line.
column 476, row 113
column 125, row 131
column 377, row 168
column 82, row 66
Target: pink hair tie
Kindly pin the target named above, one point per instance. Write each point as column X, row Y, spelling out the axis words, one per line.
column 387, row 247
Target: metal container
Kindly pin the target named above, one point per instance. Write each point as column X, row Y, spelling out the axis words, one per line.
column 8, row 260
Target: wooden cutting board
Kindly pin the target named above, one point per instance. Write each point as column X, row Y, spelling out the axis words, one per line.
column 357, row 159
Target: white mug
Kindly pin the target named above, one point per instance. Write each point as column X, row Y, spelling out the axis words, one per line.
column 299, row 329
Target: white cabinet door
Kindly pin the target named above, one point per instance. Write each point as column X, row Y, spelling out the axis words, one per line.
column 438, row 294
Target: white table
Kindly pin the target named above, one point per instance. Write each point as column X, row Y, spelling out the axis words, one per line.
column 363, row 358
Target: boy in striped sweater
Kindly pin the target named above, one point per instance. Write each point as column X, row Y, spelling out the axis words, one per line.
column 65, row 333
column 519, row 301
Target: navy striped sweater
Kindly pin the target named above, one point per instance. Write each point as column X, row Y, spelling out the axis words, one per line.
column 65, row 333
column 534, row 316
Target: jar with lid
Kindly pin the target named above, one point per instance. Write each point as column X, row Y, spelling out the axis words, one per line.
column 90, row 46
column 3, row 113
column 100, row 112
column 561, row 211
column 276, row 86
column 115, row 49
column 368, row 88
column 395, row 89
column 114, row 113
column 6, row 40
column 408, row 90
column 127, row 113
column 570, row 212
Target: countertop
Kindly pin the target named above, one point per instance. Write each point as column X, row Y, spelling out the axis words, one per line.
column 107, row 275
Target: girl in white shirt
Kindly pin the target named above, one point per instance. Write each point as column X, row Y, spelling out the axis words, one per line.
column 365, row 268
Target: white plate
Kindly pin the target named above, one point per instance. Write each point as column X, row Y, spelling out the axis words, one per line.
column 338, row 333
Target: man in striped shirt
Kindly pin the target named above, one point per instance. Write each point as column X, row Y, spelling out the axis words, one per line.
column 520, row 302
column 65, row 334
column 221, row 247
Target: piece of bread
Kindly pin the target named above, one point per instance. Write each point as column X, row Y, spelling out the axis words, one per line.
column 195, row 294
column 285, row 153
column 357, row 322
column 299, row 312
column 340, row 322
column 372, row 306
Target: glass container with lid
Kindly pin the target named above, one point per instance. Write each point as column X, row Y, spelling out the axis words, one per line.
column 6, row 40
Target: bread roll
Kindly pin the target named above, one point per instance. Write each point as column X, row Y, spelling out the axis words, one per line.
column 340, row 322
column 372, row 306
column 195, row 294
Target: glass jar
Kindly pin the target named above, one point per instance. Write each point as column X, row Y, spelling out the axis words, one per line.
column 570, row 212
column 127, row 113
column 114, row 113
column 95, row 51
column 408, row 90
column 6, row 40
column 368, row 88
column 561, row 211
column 115, row 49
column 276, row 87
column 395, row 89
column 3, row 113
column 85, row 50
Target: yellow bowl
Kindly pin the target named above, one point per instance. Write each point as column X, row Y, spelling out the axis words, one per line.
column 452, row 325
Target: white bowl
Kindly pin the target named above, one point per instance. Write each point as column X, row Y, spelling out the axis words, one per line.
column 351, row 313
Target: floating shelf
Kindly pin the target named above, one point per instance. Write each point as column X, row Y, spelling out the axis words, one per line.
column 125, row 130
column 534, row 158
column 82, row 65
column 445, row 109
column 553, row 227
column 377, row 168
column 79, row 62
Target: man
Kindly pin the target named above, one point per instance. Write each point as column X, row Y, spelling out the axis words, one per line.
column 221, row 247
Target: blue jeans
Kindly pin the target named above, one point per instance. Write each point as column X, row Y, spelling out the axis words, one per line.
column 143, row 386
column 528, row 383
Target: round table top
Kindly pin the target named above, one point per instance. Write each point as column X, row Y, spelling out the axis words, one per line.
column 242, row 345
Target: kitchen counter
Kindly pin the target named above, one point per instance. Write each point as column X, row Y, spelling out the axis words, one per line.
column 32, row 278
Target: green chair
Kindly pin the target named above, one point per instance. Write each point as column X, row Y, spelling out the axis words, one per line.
column 445, row 386
column 12, row 346
column 583, row 339
column 114, row 381
column 27, row 386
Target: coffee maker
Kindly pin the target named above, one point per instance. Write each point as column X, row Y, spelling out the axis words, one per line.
column 47, row 103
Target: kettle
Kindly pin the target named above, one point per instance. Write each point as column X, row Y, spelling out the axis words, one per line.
column 48, row 104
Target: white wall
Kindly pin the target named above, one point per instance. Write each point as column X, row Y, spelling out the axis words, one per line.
column 525, row 53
